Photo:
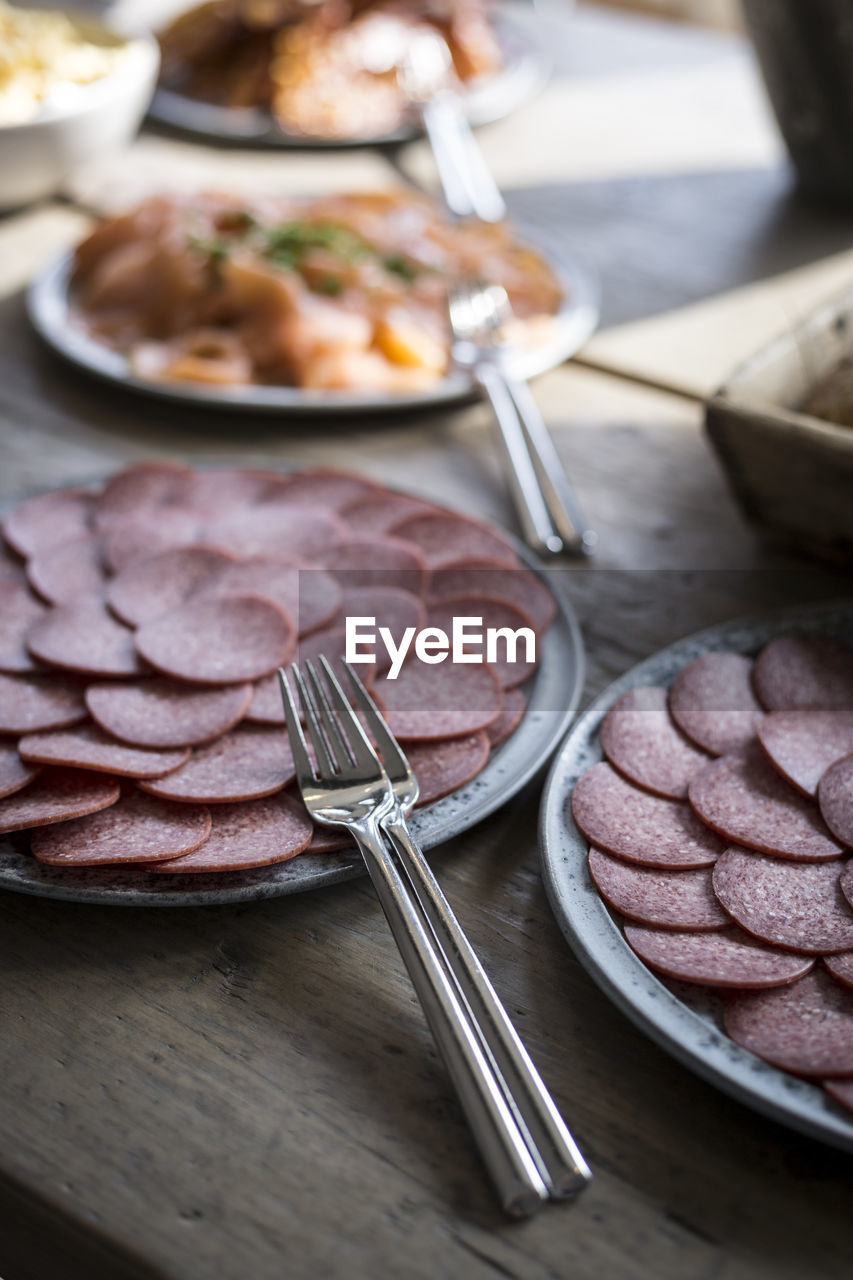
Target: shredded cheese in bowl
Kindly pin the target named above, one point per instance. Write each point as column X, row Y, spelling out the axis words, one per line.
column 46, row 57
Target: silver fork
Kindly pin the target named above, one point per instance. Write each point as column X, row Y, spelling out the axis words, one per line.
column 350, row 789
column 549, row 513
column 560, row 1161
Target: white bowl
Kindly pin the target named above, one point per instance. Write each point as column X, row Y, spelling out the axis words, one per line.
column 39, row 155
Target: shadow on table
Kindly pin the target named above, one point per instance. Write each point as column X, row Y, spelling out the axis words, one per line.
column 664, row 241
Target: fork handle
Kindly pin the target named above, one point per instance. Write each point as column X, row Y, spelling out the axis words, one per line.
column 469, row 189
column 563, row 1167
column 502, row 1145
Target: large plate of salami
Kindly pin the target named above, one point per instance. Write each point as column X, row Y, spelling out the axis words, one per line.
column 697, row 846
column 143, row 754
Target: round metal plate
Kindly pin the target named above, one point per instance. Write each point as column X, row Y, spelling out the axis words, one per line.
column 51, row 313
column 685, row 1024
column 552, row 698
column 525, row 71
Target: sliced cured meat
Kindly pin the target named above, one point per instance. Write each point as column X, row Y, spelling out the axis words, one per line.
column 633, row 824
column 841, row 967
column 32, row 702
column 744, row 799
column 805, row 673
column 256, row 834
column 329, row 840
column 388, row 606
column 806, row 1028
column 218, row 641
column 139, row 489
column 712, row 701
column 728, row 958
column 376, row 562
column 494, row 580
column 155, row 585
column 512, row 713
column 325, row 487
column 11, row 564
column 148, row 533
column 47, row 519
column 275, row 530
column 378, row 513
column 803, row 744
column 248, row 762
column 445, row 701
column 19, row 611
column 217, row 491
column 70, row 569
column 666, row 899
column 138, row 828
column 835, row 796
column 791, row 904
column 88, row 747
column 55, row 796
column 15, row 773
column 846, row 881
column 641, row 740
column 443, row 766
column 84, row 636
column 445, row 538
column 163, row 714
column 513, row 658
column 266, row 706
column 308, row 595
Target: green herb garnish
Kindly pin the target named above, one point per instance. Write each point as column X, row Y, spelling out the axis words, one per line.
column 401, row 266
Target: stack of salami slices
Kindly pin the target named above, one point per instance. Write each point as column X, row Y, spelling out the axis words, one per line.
column 141, row 627
column 721, row 831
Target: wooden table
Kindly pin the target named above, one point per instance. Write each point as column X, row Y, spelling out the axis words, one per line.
column 251, row 1091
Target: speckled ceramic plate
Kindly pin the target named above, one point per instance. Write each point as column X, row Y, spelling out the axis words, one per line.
column 552, row 699
column 525, row 71
column 684, row 1020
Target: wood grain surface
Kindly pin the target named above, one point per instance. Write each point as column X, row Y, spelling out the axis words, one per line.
column 211, row 1094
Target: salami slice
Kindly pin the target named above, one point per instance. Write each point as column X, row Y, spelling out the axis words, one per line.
column 835, row 795
column 743, row 798
column 140, row 489
column 12, row 566
column 138, row 828
column 712, row 701
column 445, row 701
column 216, row 492
column 803, row 744
column 515, row 641
column 147, row 534
column 84, row 636
column 378, row 513
column 249, row 762
column 266, row 706
column 70, row 569
column 19, row 612
column 376, row 562
column 256, row 834
column 29, row 703
column 841, row 967
column 805, row 673
column 805, row 1028
column 325, row 487
column 389, row 606
column 55, row 796
column 512, row 713
column 798, row 905
column 48, row 519
column 88, row 747
column 492, row 579
column 650, row 895
column 729, row 958
column 329, row 840
column 444, row 766
column 445, row 538
column 163, row 714
column 846, row 881
column 308, row 595
column 275, row 530
column 218, row 641
column 15, row 773
column 620, row 818
column 640, row 739
column 155, row 585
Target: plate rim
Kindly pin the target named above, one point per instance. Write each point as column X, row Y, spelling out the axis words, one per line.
column 596, row 939
column 49, row 311
column 562, row 655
